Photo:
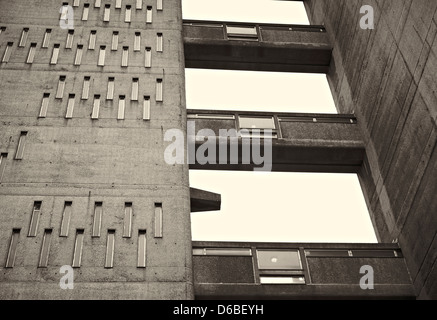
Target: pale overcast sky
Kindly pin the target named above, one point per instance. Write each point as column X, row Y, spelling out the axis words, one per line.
column 270, row 207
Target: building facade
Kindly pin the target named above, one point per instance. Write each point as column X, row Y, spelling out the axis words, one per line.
column 88, row 90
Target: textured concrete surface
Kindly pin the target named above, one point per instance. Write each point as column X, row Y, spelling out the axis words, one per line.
column 86, row 161
column 386, row 76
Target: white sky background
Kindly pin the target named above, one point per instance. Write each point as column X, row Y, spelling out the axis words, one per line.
column 270, row 207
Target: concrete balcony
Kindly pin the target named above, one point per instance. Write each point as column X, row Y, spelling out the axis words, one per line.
column 226, row 270
column 258, row 47
column 300, row 142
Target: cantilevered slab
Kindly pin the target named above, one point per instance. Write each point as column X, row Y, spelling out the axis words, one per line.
column 301, row 142
column 258, row 47
column 202, row 200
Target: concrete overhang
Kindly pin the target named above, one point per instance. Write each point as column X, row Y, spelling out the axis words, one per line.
column 260, row 47
column 202, row 200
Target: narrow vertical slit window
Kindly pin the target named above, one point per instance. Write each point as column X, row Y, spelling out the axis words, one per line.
column 125, row 57
column 117, row 4
column 128, row 14
column 114, row 45
column 158, row 220
column 61, row 86
column 66, row 217
column 102, row 52
column 86, row 9
column 127, row 222
column 107, row 12
column 159, row 5
column 46, row 39
column 8, row 51
column 96, row 107
column 134, row 93
column 78, row 57
column 111, row 87
column 3, row 157
column 137, row 41
column 44, row 105
column 110, row 245
column 142, row 247
column 159, row 95
column 70, row 37
column 78, row 248
column 76, row 3
column 10, row 259
column 92, row 40
column 31, row 55
column 159, row 42
column 86, row 88
column 45, row 249
column 148, row 58
column 2, row 29
column 139, row 4
column 70, row 106
column 97, row 3
column 121, row 107
column 23, row 38
column 97, row 220
column 21, row 144
column 34, row 219
column 146, row 108
column 149, row 14
column 55, row 54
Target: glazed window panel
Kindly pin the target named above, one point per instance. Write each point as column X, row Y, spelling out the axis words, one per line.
column 34, row 219
column 70, row 106
column 12, row 251
column 45, row 249
column 44, row 105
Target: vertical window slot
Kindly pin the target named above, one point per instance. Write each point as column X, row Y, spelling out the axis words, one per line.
column 76, row 3
column 114, row 45
column 142, row 246
column 45, row 249
column 70, row 106
column 92, row 40
column 8, row 51
column 10, row 259
column 3, row 157
column 21, row 144
column 139, row 4
column 148, row 59
column 134, row 93
column 110, row 245
column 121, row 107
column 125, row 57
column 96, row 107
column 159, row 5
column 117, row 4
column 85, row 12
column 44, row 105
column 137, row 41
column 146, row 108
column 70, row 37
column 97, row 3
column 86, row 88
column 46, row 39
column 107, row 12
column 78, row 58
column 128, row 14
column 127, row 222
column 97, row 221
column 66, row 217
column 55, row 54
column 149, row 14
column 159, row 95
column 158, row 220
column 31, row 55
column 61, row 86
column 102, row 52
column 78, row 248
column 111, row 87
column 23, row 38
column 34, row 219
column 159, row 42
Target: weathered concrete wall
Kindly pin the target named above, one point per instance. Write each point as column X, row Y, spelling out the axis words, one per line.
column 387, row 77
column 83, row 160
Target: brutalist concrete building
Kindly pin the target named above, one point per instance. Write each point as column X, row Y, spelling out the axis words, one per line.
column 88, row 90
